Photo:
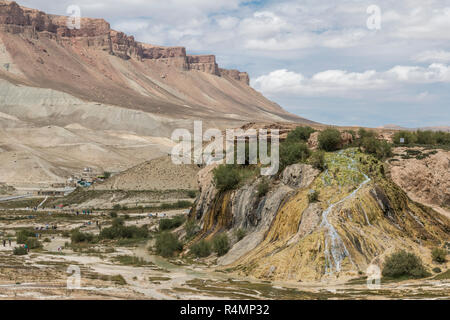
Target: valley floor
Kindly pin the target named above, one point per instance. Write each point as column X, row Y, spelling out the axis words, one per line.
column 131, row 271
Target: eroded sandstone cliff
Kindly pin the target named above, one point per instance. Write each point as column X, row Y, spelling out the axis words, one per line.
column 97, row 33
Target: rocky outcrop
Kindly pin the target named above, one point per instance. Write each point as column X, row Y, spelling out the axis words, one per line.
column 360, row 216
column 299, row 175
column 158, row 52
column 204, row 63
column 97, row 33
column 425, row 180
column 236, row 75
column 242, row 209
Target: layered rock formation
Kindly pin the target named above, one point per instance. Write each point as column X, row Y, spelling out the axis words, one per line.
column 360, row 217
column 98, row 33
column 425, row 180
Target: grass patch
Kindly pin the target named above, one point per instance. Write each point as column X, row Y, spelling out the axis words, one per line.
column 132, row 261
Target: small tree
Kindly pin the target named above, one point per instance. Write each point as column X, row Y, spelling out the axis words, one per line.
column 78, row 237
column 20, row 251
column 33, row 243
column 221, row 244
column 173, row 223
column 363, row 133
column 201, row 249
column 404, row 264
column 439, row 255
column 300, row 134
column 167, row 244
column 291, row 153
column 313, row 196
column 378, row 148
column 317, row 160
column 263, row 188
column 329, row 140
column 407, row 136
column 192, row 229
column 226, row 177
column 240, row 234
column 23, row 236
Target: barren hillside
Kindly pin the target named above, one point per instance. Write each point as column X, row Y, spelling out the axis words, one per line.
column 107, row 97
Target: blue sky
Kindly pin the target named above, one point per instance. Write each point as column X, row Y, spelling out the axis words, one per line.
column 330, row 61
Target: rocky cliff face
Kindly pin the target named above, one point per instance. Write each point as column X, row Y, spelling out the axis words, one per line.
column 98, row 33
column 359, row 218
column 236, row 75
column 425, row 180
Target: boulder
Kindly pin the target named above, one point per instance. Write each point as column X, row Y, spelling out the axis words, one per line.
column 299, row 175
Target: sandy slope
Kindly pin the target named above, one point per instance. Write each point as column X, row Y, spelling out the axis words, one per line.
column 109, row 106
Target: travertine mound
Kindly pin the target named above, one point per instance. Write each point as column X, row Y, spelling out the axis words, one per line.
column 360, row 217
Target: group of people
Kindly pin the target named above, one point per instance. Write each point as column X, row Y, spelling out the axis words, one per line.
column 47, row 227
column 84, row 212
column 4, row 242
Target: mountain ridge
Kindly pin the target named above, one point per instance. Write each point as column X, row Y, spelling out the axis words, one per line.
column 40, row 50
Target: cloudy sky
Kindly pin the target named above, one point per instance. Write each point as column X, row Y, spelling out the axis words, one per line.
column 346, row 62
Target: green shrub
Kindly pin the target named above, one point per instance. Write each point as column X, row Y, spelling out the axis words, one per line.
column 317, row 160
column 192, row 194
column 330, row 140
column 23, row 236
column 173, row 223
column 263, row 188
column 408, row 136
column 226, row 177
column 403, row 264
column 167, row 244
column 379, row 148
column 119, row 231
column 131, row 261
column 300, row 134
column 119, row 279
column 363, row 133
column 201, row 249
column 20, row 251
column 437, row 270
column 291, row 153
column 65, row 234
column 114, row 214
column 180, row 204
column 118, row 222
column 192, row 229
column 426, row 137
column 439, row 255
column 313, row 196
column 442, row 138
column 79, row 237
column 240, row 234
column 33, row 243
column 221, row 244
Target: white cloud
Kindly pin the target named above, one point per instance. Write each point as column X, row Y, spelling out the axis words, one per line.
column 433, row 56
column 344, row 83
